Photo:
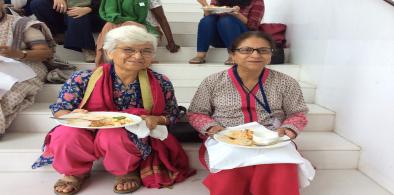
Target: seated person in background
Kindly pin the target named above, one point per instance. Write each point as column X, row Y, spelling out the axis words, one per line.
column 22, row 7
column 126, row 85
column 220, row 30
column 245, row 93
column 31, row 43
column 145, row 13
column 77, row 19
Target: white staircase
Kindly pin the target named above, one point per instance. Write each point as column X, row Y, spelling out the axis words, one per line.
column 335, row 158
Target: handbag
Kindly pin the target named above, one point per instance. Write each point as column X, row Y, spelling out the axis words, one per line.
column 278, row 33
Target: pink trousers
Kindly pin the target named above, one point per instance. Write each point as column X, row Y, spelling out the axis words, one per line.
column 269, row 179
column 75, row 150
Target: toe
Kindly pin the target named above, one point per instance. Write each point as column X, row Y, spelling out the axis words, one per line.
column 119, row 187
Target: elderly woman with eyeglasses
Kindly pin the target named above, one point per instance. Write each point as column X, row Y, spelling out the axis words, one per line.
column 125, row 85
column 248, row 92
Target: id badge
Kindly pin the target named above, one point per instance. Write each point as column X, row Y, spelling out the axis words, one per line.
column 142, row 4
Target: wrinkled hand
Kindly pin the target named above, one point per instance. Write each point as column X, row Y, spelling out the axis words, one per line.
column 214, row 129
column 151, row 121
column 9, row 53
column 172, row 47
column 77, row 12
column 60, row 6
column 285, row 131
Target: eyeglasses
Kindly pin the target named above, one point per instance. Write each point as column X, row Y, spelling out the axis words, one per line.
column 249, row 50
column 146, row 52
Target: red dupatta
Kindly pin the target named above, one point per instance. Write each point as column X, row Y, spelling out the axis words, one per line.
column 168, row 162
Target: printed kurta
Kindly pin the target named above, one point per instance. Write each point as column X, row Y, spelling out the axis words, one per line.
column 22, row 94
column 218, row 101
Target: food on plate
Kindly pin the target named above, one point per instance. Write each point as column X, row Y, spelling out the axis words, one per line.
column 102, row 120
column 111, row 121
column 214, row 6
column 239, row 137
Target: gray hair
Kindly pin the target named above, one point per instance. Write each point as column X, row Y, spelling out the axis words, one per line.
column 128, row 35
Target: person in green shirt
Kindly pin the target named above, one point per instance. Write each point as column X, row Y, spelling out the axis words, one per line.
column 144, row 13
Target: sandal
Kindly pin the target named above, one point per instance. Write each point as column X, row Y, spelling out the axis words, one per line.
column 132, row 178
column 229, row 61
column 74, row 182
column 197, row 60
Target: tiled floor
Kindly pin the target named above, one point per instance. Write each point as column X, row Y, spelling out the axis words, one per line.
column 327, row 182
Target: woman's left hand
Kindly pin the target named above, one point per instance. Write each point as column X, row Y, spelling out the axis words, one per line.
column 77, row 12
column 9, row 53
column 286, row 131
column 151, row 121
column 235, row 11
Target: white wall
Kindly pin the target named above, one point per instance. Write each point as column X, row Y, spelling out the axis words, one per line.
column 346, row 47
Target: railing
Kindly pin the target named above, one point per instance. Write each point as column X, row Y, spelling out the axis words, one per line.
column 390, row 2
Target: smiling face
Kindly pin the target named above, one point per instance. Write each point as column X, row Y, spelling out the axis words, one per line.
column 254, row 61
column 132, row 57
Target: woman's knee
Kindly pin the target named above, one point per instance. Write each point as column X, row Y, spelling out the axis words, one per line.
column 82, row 22
column 70, row 136
column 108, row 137
column 227, row 21
column 36, row 5
column 207, row 21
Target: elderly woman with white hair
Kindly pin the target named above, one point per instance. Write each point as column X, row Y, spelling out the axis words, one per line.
column 125, row 85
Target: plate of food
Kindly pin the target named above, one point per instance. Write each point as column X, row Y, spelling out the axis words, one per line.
column 98, row 120
column 218, row 10
column 249, row 138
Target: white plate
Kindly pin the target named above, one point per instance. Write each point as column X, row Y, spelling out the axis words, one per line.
column 218, row 10
column 85, row 124
column 219, row 137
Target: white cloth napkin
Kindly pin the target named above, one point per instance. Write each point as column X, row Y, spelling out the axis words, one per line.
column 222, row 156
column 142, row 131
column 11, row 72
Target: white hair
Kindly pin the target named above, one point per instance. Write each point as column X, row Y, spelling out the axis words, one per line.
column 128, row 35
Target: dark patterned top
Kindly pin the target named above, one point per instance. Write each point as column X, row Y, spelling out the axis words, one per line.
column 124, row 97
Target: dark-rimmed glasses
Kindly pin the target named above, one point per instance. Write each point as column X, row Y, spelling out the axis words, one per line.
column 250, row 50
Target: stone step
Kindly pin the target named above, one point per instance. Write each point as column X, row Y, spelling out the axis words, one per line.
column 184, row 91
column 326, row 182
column 326, row 150
column 36, row 119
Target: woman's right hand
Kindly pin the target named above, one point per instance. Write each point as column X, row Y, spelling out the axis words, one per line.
column 60, row 6
column 214, row 129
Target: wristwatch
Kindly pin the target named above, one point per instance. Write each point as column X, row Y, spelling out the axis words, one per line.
column 24, row 52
